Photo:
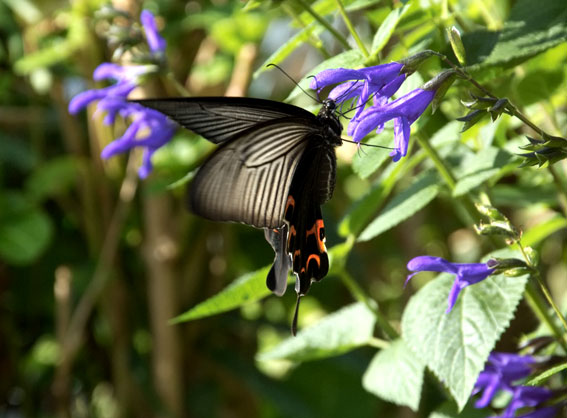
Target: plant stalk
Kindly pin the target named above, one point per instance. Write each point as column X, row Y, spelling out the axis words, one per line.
column 324, row 23
column 351, row 28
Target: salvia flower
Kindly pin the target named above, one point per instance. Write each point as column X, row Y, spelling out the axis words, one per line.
column 500, row 372
column 156, row 43
column 526, row 396
column 465, row 274
column 149, row 129
column 379, row 82
column 503, row 372
column 403, row 111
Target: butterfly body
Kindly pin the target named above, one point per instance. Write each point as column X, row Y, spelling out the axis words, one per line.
column 274, row 168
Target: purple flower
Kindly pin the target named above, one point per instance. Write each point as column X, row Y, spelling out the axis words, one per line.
column 466, row 274
column 149, row 129
column 380, row 81
column 501, row 370
column 126, row 77
column 525, row 396
column 404, row 111
column 156, row 43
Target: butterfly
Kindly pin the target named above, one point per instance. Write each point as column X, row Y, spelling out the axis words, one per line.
column 274, row 168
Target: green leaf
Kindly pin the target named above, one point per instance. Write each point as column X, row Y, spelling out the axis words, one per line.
column 542, row 377
column 539, row 232
column 395, row 374
column 531, row 28
column 387, row 28
column 337, row 333
column 404, row 205
column 288, row 47
column 53, row 177
column 248, row 288
column 455, row 346
column 481, row 167
column 368, row 159
column 25, row 231
column 347, row 59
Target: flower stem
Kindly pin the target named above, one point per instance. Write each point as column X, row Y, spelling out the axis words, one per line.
column 313, row 39
column 562, row 338
column 511, row 109
column 359, row 294
column 537, row 305
column 442, row 168
column 378, row 343
column 323, row 22
column 351, row 28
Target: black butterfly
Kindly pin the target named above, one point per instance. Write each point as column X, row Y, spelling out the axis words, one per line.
column 274, row 168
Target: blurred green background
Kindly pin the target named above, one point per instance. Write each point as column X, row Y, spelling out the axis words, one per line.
column 93, row 263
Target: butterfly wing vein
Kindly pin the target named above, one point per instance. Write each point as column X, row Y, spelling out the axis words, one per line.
column 247, row 179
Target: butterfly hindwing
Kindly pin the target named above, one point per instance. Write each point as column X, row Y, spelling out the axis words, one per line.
column 312, row 185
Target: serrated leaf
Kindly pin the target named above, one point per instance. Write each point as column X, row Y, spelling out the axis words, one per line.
column 404, row 205
column 395, row 374
column 248, row 288
column 337, row 333
column 347, row 59
column 368, row 159
column 288, row 47
column 481, row 167
column 531, row 28
column 386, row 29
column 24, row 235
column 455, row 346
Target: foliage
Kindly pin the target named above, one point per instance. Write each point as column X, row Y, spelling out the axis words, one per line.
column 116, row 301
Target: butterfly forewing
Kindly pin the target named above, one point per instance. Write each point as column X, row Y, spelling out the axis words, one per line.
column 220, row 119
column 247, row 179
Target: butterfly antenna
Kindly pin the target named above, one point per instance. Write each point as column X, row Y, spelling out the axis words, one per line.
column 360, row 144
column 293, row 81
column 316, row 88
column 295, row 315
column 359, row 106
column 347, row 91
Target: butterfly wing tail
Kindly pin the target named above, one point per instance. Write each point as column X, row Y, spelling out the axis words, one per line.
column 277, row 277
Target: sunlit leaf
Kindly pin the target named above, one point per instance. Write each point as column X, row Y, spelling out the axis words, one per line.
column 248, row 288
column 395, row 375
column 337, row 333
column 455, row 345
column 404, row 205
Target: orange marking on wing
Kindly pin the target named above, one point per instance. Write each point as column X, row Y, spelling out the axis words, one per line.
column 290, row 202
column 321, row 242
column 292, row 233
column 316, row 258
column 316, row 230
column 312, row 230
